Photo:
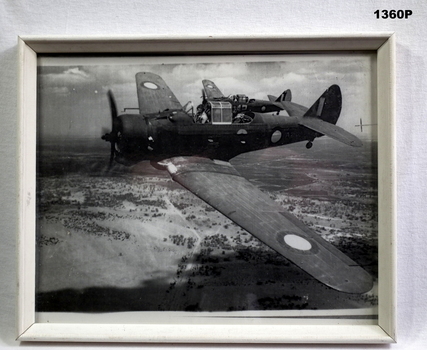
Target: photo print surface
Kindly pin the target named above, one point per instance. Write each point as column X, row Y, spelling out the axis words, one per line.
column 208, row 184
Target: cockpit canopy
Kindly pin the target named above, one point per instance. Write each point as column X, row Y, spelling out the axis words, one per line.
column 240, row 98
column 221, row 112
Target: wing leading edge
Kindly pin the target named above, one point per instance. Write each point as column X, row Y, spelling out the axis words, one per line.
column 221, row 186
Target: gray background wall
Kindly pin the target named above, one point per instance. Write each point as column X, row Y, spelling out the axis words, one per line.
column 219, row 17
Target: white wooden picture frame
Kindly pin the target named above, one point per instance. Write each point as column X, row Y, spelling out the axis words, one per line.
column 124, row 329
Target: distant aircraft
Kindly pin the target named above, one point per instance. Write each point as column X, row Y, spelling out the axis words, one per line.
column 196, row 156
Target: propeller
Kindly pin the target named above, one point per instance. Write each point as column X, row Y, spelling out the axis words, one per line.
column 112, row 137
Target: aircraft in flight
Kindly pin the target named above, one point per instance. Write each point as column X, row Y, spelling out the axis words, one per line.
column 197, row 156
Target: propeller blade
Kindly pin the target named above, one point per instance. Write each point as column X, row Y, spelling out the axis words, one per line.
column 113, row 105
column 112, row 136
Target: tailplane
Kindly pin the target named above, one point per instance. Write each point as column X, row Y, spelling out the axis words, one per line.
column 331, row 130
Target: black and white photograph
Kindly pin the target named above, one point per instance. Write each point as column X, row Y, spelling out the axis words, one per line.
column 231, row 184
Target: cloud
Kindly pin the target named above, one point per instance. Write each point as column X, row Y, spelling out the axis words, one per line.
column 76, row 72
column 209, row 70
column 73, row 76
column 305, row 75
column 57, row 90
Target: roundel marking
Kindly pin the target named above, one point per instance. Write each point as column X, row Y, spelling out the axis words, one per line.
column 242, row 132
column 263, row 108
column 149, row 85
column 276, row 136
column 297, row 242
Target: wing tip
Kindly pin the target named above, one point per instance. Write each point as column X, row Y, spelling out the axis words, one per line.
column 356, row 143
column 358, row 282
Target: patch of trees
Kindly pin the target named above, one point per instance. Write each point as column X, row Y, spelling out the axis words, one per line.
column 285, row 302
column 46, row 241
column 180, row 240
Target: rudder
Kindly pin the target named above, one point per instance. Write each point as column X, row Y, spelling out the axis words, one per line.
column 328, row 106
column 285, row 96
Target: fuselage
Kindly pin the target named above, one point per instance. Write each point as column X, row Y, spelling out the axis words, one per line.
column 241, row 103
column 174, row 133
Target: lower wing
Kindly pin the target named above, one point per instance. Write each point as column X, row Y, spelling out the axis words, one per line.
column 221, row 186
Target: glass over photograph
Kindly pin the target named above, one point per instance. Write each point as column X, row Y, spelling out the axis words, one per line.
column 239, row 185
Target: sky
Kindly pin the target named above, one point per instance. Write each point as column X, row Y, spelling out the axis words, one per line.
column 72, row 91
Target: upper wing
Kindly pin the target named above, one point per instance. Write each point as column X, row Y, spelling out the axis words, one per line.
column 153, row 94
column 221, row 186
column 211, row 90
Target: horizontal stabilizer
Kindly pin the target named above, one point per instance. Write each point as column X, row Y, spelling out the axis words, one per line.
column 331, row 130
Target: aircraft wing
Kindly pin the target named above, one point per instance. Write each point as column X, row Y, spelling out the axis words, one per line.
column 154, row 94
column 220, row 185
column 211, row 90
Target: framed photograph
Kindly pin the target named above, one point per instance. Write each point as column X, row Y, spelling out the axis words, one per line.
column 207, row 190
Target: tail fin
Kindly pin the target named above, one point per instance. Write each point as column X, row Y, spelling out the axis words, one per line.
column 323, row 115
column 285, row 96
column 328, row 106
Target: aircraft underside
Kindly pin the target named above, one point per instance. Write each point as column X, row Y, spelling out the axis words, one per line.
column 223, row 146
